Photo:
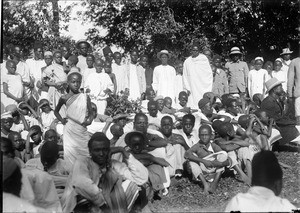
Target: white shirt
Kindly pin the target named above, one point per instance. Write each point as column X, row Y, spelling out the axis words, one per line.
column 259, row 199
column 82, row 63
column 256, row 81
column 85, row 74
column 281, row 76
column 97, row 83
column 35, row 67
column 164, row 81
column 134, row 88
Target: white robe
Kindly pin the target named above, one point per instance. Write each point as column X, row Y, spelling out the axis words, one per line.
column 35, row 68
column 197, row 78
column 120, row 73
column 164, row 81
column 82, row 63
column 281, row 76
column 134, row 88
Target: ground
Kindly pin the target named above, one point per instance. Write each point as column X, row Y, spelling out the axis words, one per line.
column 185, row 196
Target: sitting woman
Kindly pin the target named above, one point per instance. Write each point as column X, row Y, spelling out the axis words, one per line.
column 99, row 183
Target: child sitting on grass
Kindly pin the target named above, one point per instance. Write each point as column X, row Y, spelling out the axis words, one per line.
column 203, row 164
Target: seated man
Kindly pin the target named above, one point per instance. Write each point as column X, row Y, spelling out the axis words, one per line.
column 263, row 196
column 237, row 149
column 275, row 109
column 136, row 142
column 179, row 146
column 99, row 183
column 205, row 166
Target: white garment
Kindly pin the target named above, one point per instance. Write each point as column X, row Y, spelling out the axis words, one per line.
column 281, row 76
column 97, row 83
column 164, row 81
column 12, row 203
column 47, row 119
column 82, row 63
column 197, row 78
column 35, row 67
column 24, row 72
column 85, row 73
column 256, row 82
column 120, row 73
column 259, row 199
column 134, row 88
column 178, row 87
column 192, row 140
column 15, row 87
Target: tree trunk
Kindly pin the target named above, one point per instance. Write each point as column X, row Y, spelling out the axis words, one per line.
column 55, row 23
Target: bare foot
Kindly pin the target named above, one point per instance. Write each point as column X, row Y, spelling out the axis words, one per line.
column 206, row 188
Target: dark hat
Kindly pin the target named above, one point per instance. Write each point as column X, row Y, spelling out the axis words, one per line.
column 82, row 41
column 203, row 102
column 134, row 133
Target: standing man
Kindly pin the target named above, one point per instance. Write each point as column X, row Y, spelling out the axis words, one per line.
column 293, row 85
column 136, row 81
column 83, row 47
column 35, row 67
column 197, row 76
column 286, row 58
column 238, row 72
column 164, row 77
column 119, row 70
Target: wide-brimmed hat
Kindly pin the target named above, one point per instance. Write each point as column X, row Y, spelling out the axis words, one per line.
column 82, row 41
column 273, row 82
column 235, row 50
column 164, row 52
column 134, row 133
column 286, row 51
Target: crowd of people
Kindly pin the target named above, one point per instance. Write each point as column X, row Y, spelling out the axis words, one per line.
column 198, row 118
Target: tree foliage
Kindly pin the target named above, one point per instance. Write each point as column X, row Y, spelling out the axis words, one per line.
column 27, row 22
column 253, row 25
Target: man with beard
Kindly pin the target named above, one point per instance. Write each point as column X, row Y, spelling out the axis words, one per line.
column 275, row 110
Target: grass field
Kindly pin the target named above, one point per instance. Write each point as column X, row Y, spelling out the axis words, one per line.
column 185, row 196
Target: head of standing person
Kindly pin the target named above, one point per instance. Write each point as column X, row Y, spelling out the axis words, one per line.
column 258, row 63
column 83, row 47
column 267, row 172
column 268, row 66
column 107, row 67
column 134, row 56
column 73, row 61
column 99, row 64
column 90, row 60
column 15, row 52
column 217, row 60
column 11, row 67
column 179, row 67
column 278, row 64
column 144, row 61
column 195, row 49
column 74, row 82
column 108, row 54
column 48, row 58
column 208, row 53
column 117, row 58
column 164, row 56
column 286, row 54
column 235, row 54
column 57, row 57
column 38, row 51
column 66, row 51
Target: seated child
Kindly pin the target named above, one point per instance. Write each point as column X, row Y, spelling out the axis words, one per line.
column 168, row 109
column 8, row 150
column 136, row 145
column 117, row 131
column 19, row 123
column 237, row 149
column 19, row 144
column 204, row 165
column 32, row 149
column 47, row 116
column 29, row 113
column 6, row 124
column 150, row 95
